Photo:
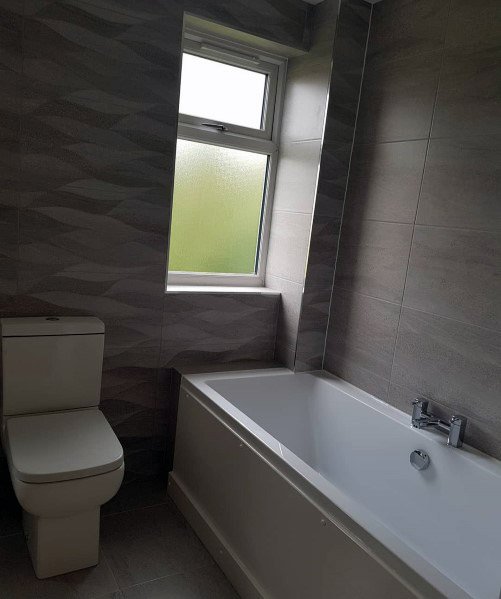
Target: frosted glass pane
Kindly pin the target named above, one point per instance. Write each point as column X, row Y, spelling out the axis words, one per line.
column 221, row 92
column 218, row 195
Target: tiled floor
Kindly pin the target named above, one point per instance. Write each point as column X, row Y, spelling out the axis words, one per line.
column 147, row 552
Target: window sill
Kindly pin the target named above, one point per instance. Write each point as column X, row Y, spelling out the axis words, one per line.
column 219, row 289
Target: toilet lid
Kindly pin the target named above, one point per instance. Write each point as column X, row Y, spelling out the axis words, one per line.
column 62, row 446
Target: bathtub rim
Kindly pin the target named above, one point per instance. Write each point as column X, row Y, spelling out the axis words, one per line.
column 434, row 585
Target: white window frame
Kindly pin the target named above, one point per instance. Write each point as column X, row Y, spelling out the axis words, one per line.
column 263, row 141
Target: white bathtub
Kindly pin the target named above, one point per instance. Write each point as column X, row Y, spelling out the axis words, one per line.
column 253, row 445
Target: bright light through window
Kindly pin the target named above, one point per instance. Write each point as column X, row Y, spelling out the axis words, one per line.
column 216, row 219
column 221, row 92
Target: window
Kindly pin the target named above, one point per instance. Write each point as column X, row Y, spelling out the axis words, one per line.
column 225, row 162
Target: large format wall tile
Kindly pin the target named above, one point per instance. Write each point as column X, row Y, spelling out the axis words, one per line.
column 456, row 273
column 462, row 182
column 312, row 328
column 453, row 363
column 397, row 98
column 373, row 258
column 402, row 28
column 385, row 180
column 469, row 91
column 361, row 339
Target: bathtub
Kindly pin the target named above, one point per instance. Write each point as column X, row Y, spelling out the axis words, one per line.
column 300, row 486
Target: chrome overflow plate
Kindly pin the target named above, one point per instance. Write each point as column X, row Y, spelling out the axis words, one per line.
column 419, row 459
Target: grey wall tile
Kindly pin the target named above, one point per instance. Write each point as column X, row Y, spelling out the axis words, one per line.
column 456, row 273
column 453, row 363
column 332, row 178
column 461, row 183
column 401, row 28
column 288, row 249
column 468, row 101
column 313, row 327
column 373, row 258
column 289, row 308
column 385, row 180
column 210, row 327
column 361, row 339
column 325, row 232
column 470, row 22
column 297, row 175
column 397, row 98
column 285, row 355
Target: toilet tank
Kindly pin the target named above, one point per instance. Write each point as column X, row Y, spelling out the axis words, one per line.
column 51, row 364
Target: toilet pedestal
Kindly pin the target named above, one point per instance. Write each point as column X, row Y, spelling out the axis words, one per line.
column 64, row 544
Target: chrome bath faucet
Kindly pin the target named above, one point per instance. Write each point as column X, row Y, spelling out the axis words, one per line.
column 454, row 429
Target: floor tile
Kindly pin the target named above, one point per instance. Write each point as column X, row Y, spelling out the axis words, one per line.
column 18, row 580
column 147, row 544
column 207, row 583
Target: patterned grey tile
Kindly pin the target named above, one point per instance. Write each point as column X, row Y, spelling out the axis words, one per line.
column 332, row 178
column 385, row 180
column 18, row 580
column 455, row 364
column 313, row 328
column 297, row 175
column 401, row 28
column 279, row 20
column 461, row 183
column 456, row 273
column 289, row 308
column 397, row 98
column 322, row 253
column 288, row 249
column 361, row 339
column 285, row 355
column 373, row 258
column 468, row 101
column 146, row 544
column 347, row 67
column 211, row 327
column 130, row 307
column 208, row 583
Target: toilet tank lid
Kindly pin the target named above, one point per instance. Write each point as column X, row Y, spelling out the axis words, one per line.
column 40, row 326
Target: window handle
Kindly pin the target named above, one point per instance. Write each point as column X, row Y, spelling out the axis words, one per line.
column 216, row 126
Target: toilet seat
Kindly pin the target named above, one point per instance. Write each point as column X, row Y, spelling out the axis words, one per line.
column 62, row 446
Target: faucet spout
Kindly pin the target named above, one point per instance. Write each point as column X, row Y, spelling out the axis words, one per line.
column 454, row 429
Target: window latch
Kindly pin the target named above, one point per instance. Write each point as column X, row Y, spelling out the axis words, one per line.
column 216, row 126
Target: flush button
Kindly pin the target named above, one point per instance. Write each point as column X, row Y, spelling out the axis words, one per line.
column 419, row 459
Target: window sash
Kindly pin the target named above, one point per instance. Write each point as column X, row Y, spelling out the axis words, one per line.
column 262, row 141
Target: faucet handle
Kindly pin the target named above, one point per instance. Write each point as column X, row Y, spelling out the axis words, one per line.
column 457, row 429
column 419, row 408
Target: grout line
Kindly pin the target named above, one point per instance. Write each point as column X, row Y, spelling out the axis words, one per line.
column 347, row 181
column 419, row 193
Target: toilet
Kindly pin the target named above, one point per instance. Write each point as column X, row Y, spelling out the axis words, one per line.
column 64, row 459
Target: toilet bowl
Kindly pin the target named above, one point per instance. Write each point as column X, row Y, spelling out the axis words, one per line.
column 64, row 459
